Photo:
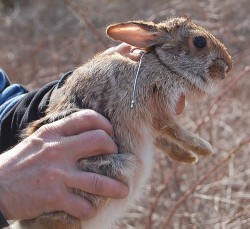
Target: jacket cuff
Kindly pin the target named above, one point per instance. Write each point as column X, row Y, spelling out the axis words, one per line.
column 3, row 221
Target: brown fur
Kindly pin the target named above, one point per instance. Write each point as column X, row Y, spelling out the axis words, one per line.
column 172, row 66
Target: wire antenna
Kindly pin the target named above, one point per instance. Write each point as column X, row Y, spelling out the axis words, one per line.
column 132, row 106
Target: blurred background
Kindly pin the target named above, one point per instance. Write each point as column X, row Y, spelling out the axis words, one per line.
column 40, row 40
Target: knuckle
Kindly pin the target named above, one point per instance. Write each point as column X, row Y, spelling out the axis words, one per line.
column 48, row 131
column 97, row 183
column 52, row 150
column 89, row 115
column 102, row 141
column 100, row 135
column 43, row 130
column 36, row 142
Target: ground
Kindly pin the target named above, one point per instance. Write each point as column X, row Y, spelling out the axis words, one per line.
column 40, row 40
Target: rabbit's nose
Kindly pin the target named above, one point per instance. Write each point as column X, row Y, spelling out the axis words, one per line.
column 228, row 60
column 219, row 68
column 223, row 67
column 226, row 68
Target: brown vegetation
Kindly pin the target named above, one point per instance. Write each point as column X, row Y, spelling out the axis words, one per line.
column 42, row 39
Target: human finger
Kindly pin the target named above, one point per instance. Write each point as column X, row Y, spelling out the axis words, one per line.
column 89, row 143
column 77, row 206
column 77, row 123
column 121, row 48
column 127, row 50
column 135, row 54
column 97, row 184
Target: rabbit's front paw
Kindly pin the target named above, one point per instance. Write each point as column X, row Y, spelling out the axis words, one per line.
column 175, row 152
column 202, row 147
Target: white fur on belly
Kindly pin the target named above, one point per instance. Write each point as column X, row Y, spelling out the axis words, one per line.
column 114, row 210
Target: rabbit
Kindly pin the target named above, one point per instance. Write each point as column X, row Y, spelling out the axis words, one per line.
column 181, row 59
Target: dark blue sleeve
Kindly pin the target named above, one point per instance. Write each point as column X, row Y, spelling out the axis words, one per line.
column 3, row 221
column 10, row 94
column 18, row 108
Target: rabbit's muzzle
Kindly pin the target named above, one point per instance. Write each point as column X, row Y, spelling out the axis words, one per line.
column 219, row 68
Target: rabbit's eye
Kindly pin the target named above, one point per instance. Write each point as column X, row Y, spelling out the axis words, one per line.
column 200, row 42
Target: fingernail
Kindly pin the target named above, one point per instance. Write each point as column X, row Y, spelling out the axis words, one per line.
column 110, row 50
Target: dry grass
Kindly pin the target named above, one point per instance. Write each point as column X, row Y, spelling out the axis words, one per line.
column 41, row 39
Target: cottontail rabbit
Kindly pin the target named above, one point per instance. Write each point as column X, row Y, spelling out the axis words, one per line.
column 181, row 58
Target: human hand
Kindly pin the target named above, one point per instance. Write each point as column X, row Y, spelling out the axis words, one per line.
column 127, row 50
column 38, row 174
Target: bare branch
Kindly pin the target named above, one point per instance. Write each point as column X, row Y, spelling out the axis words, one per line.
column 203, row 178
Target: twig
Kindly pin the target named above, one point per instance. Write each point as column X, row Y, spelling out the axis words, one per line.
column 202, row 179
column 219, row 199
column 239, row 214
column 229, row 187
column 152, row 209
column 159, row 195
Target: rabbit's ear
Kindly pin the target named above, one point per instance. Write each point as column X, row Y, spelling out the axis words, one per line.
column 139, row 34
